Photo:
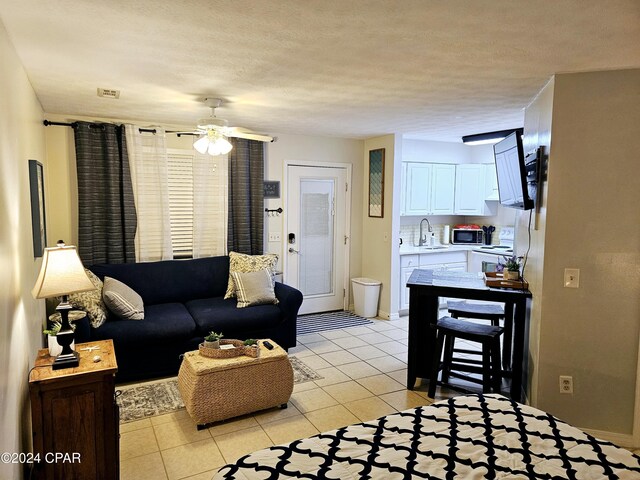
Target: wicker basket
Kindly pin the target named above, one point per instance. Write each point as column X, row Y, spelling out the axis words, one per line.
column 240, row 349
column 217, row 389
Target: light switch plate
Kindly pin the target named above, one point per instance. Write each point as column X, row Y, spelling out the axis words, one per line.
column 274, row 237
column 572, row 277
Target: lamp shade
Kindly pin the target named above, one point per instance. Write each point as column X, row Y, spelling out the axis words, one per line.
column 212, row 143
column 61, row 273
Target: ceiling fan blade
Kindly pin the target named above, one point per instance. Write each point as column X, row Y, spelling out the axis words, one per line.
column 239, row 132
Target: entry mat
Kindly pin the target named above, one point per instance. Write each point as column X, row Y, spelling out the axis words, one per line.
column 318, row 322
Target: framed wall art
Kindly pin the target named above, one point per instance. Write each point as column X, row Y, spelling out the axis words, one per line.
column 376, row 183
column 38, row 219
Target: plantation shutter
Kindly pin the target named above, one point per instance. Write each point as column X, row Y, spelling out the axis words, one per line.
column 181, row 203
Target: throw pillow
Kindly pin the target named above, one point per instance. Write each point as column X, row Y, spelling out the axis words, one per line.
column 122, row 300
column 254, row 288
column 91, row 301
column 242, row 263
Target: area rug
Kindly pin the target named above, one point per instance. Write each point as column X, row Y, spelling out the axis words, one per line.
column 159, row 397
column 318, row 322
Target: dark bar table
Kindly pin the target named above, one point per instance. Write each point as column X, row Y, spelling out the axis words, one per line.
column 425, row 288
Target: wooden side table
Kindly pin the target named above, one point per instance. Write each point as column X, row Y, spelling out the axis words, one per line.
column 75, row 415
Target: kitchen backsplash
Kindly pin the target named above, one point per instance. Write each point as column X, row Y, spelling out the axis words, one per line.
column 410, row 234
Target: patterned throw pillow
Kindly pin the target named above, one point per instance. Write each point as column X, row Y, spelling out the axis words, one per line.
column 242, row 263
column 122, row 300
column 91, row 301
column 254, row 288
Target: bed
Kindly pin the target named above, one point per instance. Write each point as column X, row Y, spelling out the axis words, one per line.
column 465, row 437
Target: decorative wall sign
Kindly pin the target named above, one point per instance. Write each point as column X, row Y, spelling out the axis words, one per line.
column 271, row 189
column 38, row 219
column 376, row 183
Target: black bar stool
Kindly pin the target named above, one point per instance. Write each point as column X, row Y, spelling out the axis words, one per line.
column 482, row 311
column 448, row 329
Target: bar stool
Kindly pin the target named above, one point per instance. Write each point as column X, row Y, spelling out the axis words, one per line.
column 481, row 311
column 447, row 330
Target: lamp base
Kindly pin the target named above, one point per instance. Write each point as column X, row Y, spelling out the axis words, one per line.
column 68, row 360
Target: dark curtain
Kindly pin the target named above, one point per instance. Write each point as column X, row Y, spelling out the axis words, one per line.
column 107, row 213
column 246, row 197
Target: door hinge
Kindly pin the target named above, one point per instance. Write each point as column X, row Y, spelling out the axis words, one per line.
column 345, row 239
column 346, row 187
column 344, row 292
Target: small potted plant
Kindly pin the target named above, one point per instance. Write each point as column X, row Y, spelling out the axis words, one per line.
column 511, row 269
column 52, row 342
column 213, row 340
column 251, row 342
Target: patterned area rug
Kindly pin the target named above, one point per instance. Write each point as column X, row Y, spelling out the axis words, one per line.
column 157, row 398
column 318, row 322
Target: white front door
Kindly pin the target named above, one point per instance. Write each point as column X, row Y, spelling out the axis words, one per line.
column 316, row 238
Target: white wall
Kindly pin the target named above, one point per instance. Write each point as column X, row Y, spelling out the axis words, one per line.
column 21, row 317
column 590, row 333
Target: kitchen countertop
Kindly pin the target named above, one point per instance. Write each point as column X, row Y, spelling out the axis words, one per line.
column 413, row 250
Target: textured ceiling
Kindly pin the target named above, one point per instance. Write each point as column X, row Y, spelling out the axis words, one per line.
column 428, row 69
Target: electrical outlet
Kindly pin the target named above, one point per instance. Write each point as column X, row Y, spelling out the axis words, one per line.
column 274, row 237
column 572, row 277
column 566, row 384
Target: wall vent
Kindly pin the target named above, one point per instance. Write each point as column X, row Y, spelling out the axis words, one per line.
column 108, row 93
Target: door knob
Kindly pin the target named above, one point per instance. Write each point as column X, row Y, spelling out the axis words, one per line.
column 293, row 250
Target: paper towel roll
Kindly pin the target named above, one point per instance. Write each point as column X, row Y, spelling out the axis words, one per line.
column 445, row 235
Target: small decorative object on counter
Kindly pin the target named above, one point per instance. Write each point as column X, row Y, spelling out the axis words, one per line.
column 213, row 340
column 446, row 234
column 511, row 269
column 230, row 349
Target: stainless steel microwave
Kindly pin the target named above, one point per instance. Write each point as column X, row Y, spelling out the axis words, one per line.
column 466, row 236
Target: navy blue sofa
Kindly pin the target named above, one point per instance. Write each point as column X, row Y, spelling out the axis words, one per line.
column 183, row 301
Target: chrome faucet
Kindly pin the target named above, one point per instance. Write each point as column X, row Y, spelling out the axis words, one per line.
column 423, row 238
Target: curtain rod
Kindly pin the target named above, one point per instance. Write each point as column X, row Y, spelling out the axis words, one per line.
column 149, row 130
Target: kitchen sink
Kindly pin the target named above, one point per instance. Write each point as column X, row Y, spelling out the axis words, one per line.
column 435, row 247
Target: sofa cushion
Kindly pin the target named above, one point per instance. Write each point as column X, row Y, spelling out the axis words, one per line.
column 91, row 301
column 122, row 300
column 254, row 288
column 243, row 263
column 223, row 316
column 171, row 281
column 163, row 324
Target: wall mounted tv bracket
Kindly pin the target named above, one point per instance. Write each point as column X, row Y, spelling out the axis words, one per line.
column 535, row 165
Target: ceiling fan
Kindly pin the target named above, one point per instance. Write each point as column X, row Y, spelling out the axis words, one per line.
column 213, row 132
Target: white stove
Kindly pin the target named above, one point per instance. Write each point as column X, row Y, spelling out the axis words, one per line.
column 485, row 257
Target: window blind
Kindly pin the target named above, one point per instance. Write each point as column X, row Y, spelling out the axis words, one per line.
column 180, row 181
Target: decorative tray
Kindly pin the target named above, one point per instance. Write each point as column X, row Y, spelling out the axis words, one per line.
column 495, row 279
column 239, row 348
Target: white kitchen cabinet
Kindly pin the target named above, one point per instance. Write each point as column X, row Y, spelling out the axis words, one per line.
column 428, row 188
column 470, row 189
column 448, row 260
column 442, row 189
column 490, row 181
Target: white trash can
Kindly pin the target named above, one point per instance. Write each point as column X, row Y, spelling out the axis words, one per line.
column 365, row 296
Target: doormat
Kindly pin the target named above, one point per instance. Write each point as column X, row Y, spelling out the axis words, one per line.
column 153, row 398
column 318, row 322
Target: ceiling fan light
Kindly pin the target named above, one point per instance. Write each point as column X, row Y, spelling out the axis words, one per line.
column 202, row 144
column 225, row 146
column 220, row 146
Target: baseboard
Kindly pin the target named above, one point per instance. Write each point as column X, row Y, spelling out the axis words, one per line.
column 620, row 439
column 394, row 316
column 385, row 315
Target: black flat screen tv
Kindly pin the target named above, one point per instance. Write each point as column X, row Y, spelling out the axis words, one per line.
column 511, row 172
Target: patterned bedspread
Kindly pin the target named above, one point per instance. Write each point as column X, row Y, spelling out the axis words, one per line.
column 465, row 437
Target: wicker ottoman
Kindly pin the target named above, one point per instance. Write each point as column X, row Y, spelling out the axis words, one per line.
column 215, row 389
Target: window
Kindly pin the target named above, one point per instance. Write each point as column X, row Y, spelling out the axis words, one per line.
column 180, row 180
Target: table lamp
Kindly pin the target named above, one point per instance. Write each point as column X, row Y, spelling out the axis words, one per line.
column 60, row 275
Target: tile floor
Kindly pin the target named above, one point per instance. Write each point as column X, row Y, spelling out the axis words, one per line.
column 364, row 370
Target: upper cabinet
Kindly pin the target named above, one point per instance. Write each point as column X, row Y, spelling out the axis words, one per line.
column 470, row 189
column 428, row 188
column 447, row 189
column 490, row 181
